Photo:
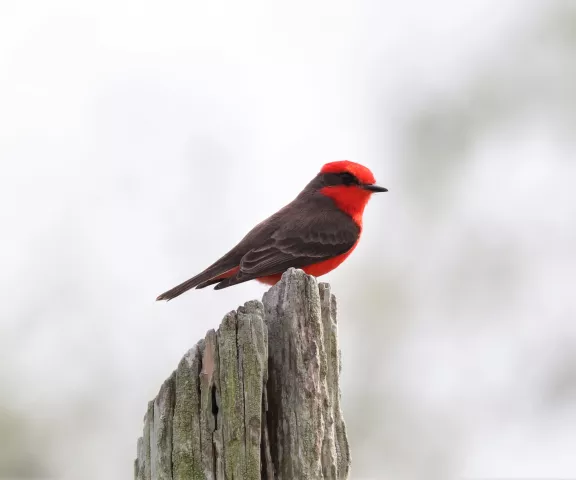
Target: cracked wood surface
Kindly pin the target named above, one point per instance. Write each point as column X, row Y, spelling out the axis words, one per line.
column 257, row 399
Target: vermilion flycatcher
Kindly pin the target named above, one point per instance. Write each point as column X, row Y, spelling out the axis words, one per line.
column 314, row 232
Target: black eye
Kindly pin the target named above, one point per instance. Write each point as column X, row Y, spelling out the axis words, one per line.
column 348, row 179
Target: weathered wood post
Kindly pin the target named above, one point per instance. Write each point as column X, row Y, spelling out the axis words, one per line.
column 257, row 399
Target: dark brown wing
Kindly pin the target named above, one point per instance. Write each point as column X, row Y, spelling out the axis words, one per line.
column 303, row 240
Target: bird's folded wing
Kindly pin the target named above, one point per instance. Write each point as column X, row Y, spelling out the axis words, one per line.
column 282, row 252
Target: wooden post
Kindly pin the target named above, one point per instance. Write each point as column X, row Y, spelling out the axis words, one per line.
column 258, row 399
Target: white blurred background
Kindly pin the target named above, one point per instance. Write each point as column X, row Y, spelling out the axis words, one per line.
column 140, row 141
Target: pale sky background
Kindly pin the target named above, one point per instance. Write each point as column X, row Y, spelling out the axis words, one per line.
column 139, row 141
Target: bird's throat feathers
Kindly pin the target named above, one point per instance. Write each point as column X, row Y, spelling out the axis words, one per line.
column 350, row 200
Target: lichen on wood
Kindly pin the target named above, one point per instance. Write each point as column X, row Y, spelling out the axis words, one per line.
column 257, row 399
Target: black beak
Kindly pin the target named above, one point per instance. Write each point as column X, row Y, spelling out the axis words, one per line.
column 373, row 188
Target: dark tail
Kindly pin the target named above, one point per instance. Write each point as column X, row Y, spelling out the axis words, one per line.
column 208, row 277
column 178, row 290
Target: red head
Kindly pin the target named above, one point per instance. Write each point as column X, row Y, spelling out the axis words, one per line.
column 361, row 172
column 350, row 185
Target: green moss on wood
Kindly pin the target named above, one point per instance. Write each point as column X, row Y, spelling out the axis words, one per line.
column 232, row 403
column 186, row 450
column 161, row 446
column 253, row 354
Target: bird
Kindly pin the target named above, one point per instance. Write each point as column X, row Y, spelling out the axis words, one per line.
column 315, row 232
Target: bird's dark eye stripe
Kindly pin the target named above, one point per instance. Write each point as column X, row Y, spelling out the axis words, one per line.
column 348, row 178
column 343, row 178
